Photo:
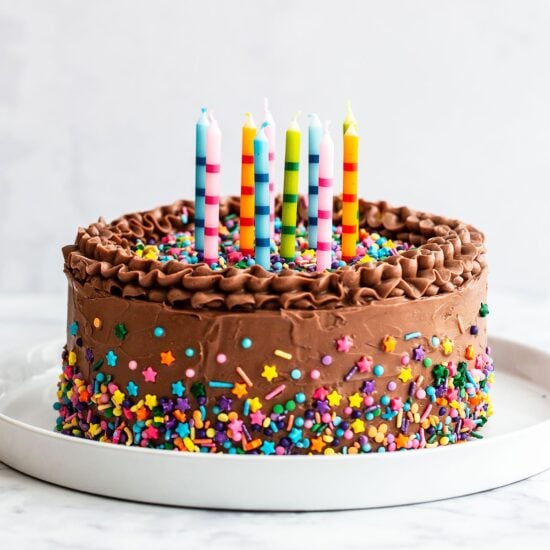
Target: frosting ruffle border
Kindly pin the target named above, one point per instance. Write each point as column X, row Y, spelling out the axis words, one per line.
column 449, row 253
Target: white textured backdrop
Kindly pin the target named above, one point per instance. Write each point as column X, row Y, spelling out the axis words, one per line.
column 98, row 102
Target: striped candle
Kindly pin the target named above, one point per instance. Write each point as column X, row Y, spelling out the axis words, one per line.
column 290, row 192
column 326, row 175
column 349, row 195
column 212, row 192
column 200, row 178
column 315, row 134
column 262, row 240
column 247, row 187
column 270, row 133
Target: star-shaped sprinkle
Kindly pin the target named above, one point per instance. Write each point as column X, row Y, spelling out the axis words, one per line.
column 396, row 403
column 355, row 400
column 388, row 345
column 401, row 441
column 483, row 310
column 270, row 372
column 224, row 403
column 121, row 331
column 167, row 358
column 320, row 393
column 149, row 374
column 322, row 406
column 447, row 346
column 112, row 358
column 183, row 429
column 268, row 448
column 368, row 386
column 132, row 389
column 418, row 353
column 152, row 432
column 178, row 388
column 318, row 445
column 344, row 344
column 405, row 375
column 334, row 398
column 239, row 390
column 151, row 401
column 236, row 426
column 117, row 398
column 257, row 417
column 73, row 328
column 358, row 426
column 365, row 364
column 255, row 404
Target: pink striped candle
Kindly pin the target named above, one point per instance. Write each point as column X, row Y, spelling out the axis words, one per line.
column 324, row 223
column 270, row 134
column 212, row 192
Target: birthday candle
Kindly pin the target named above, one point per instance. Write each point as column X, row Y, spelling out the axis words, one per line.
column 212, row 194
column 315, row 133
column 261, row 198
column 200, row 178
column 290, row 192
column 349, row 195
column 270, row 133
column 350, row 118
column 326, row 175
column 247, row 187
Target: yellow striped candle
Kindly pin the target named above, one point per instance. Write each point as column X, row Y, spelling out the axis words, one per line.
column 349, row 195
column 290, row 191
column 247, row 187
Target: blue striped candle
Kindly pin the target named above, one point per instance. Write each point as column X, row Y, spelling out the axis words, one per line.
column 315, row 133
column 200, row 178
column 261, row 197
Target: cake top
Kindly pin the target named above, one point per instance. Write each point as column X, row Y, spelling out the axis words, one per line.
column 402, row 254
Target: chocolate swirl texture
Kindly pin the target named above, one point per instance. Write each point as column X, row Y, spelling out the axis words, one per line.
column 447, row 254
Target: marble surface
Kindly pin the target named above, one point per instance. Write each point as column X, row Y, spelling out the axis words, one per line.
column 36, row 515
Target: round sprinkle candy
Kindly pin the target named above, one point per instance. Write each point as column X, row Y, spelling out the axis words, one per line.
column 189, row 373
column 221, row 358
column 300, row 397
column 132, row 365
column 159, row 332
column 97, row 322
column 246, row 343
column 315, row 374
column 326, row 360
column 378, row 370
column 189, row 352
column 295, row 374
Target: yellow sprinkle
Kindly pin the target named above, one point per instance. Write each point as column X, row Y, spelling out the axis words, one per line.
column 329, row 451
column 97, row 322
column 189, row 445
column 283, row 354
column 444, row 440
column 72, row 358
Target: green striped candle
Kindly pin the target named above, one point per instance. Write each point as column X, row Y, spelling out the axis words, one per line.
column 290, row 191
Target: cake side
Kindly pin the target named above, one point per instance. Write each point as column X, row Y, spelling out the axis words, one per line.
column 389, row 374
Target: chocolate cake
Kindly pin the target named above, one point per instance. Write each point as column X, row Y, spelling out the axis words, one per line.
column 384, row 353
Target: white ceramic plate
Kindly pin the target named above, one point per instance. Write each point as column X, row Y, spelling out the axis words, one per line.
column 516, row 445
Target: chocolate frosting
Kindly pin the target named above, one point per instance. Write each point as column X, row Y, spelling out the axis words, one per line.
column 448, row 254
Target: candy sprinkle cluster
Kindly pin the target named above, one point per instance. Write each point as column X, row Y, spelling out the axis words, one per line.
column 446, row 404
column 180, row 246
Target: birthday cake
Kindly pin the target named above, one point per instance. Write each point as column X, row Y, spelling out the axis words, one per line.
column 385, row 352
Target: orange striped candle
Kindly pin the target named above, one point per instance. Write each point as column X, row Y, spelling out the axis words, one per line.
column 349, row 196
column 247, row 187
